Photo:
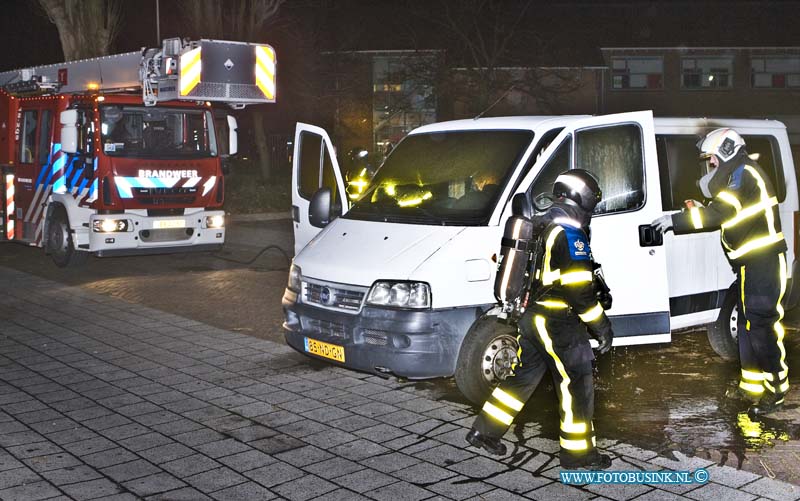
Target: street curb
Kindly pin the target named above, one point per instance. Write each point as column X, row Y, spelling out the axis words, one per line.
column 265, row 216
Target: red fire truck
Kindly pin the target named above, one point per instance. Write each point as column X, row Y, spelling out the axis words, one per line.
column 122, row 154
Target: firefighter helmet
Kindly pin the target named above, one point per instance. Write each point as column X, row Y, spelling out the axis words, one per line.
column 724, row 143
column 579, row 186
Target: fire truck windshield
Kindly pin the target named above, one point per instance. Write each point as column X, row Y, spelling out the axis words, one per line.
column 148, row 132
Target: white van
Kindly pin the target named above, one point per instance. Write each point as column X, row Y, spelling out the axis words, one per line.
column 400, row 282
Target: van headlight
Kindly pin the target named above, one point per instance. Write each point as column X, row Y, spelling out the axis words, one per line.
column 294, row 279
column 110, row 225
column 400, row 294
column 217, row 221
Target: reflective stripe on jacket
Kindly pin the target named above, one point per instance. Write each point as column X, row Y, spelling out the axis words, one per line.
column 745, row 212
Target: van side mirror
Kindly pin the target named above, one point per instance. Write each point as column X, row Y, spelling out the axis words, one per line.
column 69, row 131
column 521, row 206
column 319, row 210
column 233, row 136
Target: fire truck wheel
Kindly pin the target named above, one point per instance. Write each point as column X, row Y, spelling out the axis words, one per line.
column 60, row 243
column 487, row 354
column 723, row 334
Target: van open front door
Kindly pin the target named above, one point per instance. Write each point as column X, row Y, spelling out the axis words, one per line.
column 314, row 166
column 620, row 150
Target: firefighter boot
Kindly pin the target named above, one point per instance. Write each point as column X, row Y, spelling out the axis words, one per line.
column 735, row 394
column 770, row 402
column 492, row 445
column 592, row 460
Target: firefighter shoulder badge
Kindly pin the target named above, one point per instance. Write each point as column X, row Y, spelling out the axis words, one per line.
column 578, row 244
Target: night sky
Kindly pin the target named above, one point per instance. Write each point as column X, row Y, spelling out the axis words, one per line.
column 571, row 32
column 556, row 33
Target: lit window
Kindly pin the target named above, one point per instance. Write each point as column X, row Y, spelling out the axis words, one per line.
column 707, row 72
column 775, row 72
column 637, row 73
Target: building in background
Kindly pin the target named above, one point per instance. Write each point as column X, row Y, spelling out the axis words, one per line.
column 739, row 82
column 385, row 94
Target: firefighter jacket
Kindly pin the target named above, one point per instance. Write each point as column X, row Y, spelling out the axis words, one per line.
column 566, row 276
column 745, row 212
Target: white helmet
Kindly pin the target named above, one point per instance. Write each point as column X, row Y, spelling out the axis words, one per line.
column 724, row 143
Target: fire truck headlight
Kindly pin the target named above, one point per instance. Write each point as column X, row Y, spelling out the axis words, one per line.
column 215, row 221
column 110, row 225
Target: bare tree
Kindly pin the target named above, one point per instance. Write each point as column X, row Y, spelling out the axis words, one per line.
column 243, row 20
column 87, row 28
column 204, row 17
column 491, row 56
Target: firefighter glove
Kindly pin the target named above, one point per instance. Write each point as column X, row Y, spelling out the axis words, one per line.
column 604, row 340
column 662, row 224
column 601, row 290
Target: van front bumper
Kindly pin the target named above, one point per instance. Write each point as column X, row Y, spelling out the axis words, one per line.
column 407, row 343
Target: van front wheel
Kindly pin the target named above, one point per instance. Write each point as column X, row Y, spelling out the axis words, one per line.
column 723, row 335
column 487, row 356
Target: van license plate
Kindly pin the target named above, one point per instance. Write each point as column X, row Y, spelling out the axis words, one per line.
column 163, row 224
column 327, row 350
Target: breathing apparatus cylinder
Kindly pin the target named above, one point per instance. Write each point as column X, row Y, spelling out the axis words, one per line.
column 513, row 274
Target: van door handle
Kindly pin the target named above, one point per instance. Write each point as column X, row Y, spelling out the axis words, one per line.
column 649, row 236
column 295, row 213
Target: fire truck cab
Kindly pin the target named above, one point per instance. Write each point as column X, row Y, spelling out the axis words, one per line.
column 100, row 169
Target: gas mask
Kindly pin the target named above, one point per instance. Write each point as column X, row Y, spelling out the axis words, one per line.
column 716, row 178
column 705, row 184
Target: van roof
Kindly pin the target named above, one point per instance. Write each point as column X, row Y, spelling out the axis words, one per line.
column 534, row 122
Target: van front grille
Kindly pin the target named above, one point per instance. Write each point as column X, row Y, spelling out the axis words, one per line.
column 338, row 297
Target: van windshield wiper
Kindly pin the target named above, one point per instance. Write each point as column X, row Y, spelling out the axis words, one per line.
column 431, row 215
column 392, row 211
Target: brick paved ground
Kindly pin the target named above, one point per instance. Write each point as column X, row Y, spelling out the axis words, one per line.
column 101, row 398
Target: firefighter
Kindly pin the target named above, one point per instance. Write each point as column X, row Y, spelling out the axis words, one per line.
column 553, row 332
column 744, row 207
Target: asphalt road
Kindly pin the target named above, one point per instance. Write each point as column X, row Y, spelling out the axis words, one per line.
column 238, row 289
column 661, row 398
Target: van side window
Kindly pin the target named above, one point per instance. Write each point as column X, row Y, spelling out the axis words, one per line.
column 27, row 143
column 558, row 163
column 329, row 181
column 44, row 138
column 310, row 148
column 542, row 145
column 769, row 158
column 614, row 154
column 680, row 168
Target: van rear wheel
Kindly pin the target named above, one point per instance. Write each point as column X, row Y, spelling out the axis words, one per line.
column 487, row 355
column 723, row 335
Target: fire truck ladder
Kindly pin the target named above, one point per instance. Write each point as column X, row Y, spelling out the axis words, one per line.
column 235, row 73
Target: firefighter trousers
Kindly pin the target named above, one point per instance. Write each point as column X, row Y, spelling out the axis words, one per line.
column 762, row 284
column 559, row 345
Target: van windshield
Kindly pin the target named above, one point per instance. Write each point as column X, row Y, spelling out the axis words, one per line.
column 452, row 178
